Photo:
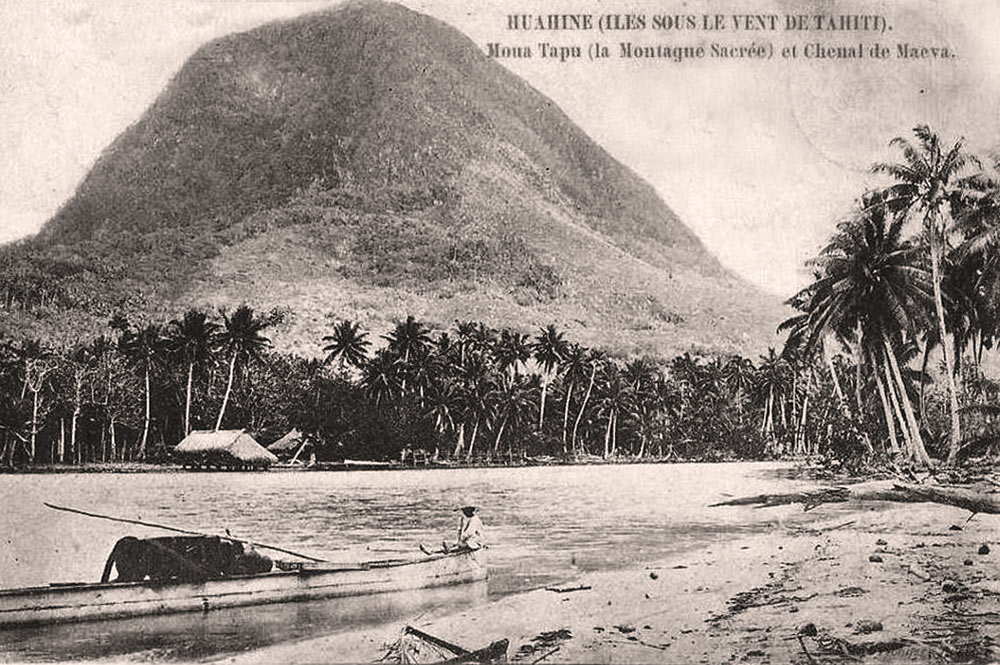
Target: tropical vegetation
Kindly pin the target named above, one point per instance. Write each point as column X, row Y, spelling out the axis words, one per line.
column 883, row 364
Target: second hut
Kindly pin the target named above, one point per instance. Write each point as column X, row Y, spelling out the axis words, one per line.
column 223, row 449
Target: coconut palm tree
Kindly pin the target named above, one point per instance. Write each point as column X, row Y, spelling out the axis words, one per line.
column 243, row 340
column 347, row 345
column 408, row 339
column 772, row 385
column 512, row 352
column 549, row 349
column 641, row 375
column 975, row 262
column 194, row 338
column 928, row 183
column 576, row 370
column 143, row 348
column 614, row 398
column 595, row 360
column 513, row 401
column 871, row 291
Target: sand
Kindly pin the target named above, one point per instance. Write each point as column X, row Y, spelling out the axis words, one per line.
column 896, row 584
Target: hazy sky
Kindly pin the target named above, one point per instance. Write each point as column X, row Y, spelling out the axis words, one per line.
column 759, row 158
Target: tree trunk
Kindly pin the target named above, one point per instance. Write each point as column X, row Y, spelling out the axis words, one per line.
column 496, row 443
column 857, row 367
column 975, row 502
column 229, row 388
column 923, row 383
column 904, row 428
column 919, row 452
column 890, row 422
column 34, row 425
column 569, row 394
column 145, row 422
column 541, row 405
column 607, row 438
column 187, row 400
column 460, row 442
column 956, row 427
column 472, row 441
column 114, row 444
column 614, row 435
column 836, row 383
column 76, row 415
column 579, row 416
column 802, row 447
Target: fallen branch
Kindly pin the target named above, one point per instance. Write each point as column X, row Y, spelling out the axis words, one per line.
column 975, row 502
column 583, row 587
column 544, row 656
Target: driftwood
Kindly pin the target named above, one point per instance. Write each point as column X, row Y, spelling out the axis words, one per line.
column 973, row 501
column 584, row 587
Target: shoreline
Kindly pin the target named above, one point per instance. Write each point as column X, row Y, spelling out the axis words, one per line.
column 893, row 584
column 336, row 467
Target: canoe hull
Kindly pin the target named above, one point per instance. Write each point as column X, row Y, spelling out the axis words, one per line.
column 89, row 602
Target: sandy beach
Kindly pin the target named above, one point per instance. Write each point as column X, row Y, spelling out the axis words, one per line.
column 892, row 584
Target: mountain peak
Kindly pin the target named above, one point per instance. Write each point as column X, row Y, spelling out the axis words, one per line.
column 370, row 150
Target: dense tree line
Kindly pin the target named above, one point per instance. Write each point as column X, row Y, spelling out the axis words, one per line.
column 469, row 394
column 909, row 276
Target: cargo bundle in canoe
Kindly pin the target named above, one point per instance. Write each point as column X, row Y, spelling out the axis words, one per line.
column 290, row 583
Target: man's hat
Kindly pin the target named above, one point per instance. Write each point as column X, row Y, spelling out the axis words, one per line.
column 466, row 509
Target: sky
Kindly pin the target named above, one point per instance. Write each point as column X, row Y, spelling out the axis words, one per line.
column 759, row 158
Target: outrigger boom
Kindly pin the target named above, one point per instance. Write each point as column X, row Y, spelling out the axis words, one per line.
column 188, row 532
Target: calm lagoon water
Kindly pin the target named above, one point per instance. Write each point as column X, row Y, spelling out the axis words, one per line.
column 544, row 524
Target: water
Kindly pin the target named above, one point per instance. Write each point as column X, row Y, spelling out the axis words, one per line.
column 544, row 524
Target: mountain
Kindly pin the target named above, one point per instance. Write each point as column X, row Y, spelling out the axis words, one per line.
column 370, row 162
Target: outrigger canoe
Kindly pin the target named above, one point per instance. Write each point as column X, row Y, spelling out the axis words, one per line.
column 61, row 603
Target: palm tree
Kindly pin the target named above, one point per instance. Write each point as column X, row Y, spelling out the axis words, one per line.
column 347, row 345
column 195, row 338
column 576, row 369
column 772, row 384
column 595, row 360
column 512, row 352
column 976, row 263
column 406, row 340
column 243, row 339
column 614, row 398
column 380, row 377
column 928, row 184
column 443, row 404
column 641, row 375
column 549, row 349
column 513, row 399
column 143, row 349
column 872, row 291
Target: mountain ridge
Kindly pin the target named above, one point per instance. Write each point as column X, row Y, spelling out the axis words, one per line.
column 418, row 164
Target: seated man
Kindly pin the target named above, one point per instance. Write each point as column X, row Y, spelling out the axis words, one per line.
column 470, row 534
column 470, row 530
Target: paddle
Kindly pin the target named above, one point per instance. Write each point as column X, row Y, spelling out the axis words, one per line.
column 184, row 531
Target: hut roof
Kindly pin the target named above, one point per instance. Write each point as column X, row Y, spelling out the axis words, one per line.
column 235, row 443
column 288, row 443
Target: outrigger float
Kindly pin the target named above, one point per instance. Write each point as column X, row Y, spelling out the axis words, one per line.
column 289, row 582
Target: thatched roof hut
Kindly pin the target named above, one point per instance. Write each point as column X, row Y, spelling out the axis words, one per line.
column 232, row 449
column 288, row 443
column 291, row 446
